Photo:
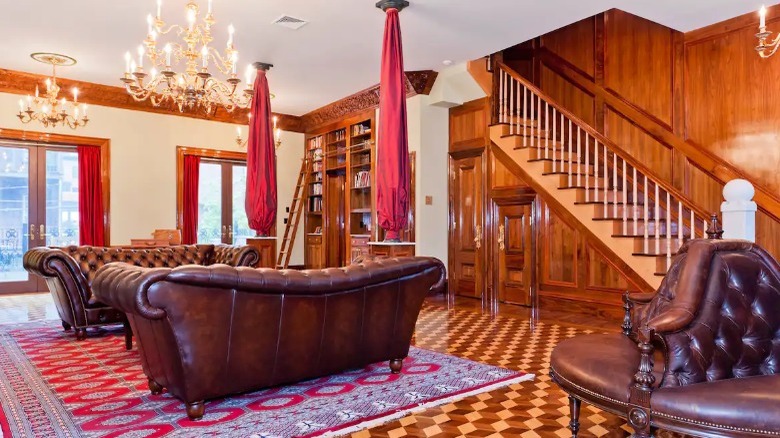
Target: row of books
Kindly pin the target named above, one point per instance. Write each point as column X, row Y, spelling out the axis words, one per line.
column 360, row 130
column 316, row 189
column 315, row 143
column 339, row 135
column 315, row 205
column 362, row 179
column 316, row 166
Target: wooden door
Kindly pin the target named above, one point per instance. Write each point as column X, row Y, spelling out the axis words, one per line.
column 334, row 233
column 467, row 241
column 514, row 267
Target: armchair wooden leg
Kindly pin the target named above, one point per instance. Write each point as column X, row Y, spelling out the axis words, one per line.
column 574, row 412
column 155, row 387
column 81, row 334
column 65, row 326
column 196, row 410
column 396, row 365
column 128, row 335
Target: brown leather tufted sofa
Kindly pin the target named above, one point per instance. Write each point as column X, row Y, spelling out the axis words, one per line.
column 69, row 273
column 208, row 332
column 701, row 356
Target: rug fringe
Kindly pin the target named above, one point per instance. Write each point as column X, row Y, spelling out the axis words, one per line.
column 421, row 407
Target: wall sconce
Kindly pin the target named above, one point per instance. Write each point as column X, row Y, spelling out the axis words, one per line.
column 277, row 134
column 763, row 35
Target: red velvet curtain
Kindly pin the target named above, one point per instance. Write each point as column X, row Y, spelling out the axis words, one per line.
column 260, row 201
column 393, row 142
column 189, row 228
column 91, row 212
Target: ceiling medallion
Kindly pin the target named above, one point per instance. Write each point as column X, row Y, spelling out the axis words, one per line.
column 48, row 109
column 194, row 88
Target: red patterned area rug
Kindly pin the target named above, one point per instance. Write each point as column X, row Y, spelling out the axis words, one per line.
column 53, row 386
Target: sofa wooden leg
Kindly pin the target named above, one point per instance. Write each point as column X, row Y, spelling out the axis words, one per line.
column 155, row 387
column 65, row 326
column 196, row 410
column 396, row 365
column 128, row 335
column 81, row 334
column 574, row 412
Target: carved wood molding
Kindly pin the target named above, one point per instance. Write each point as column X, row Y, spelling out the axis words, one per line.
column 23, row 83
column 417, row 82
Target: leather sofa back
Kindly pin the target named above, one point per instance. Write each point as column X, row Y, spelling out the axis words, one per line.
column 92, row 258
column 720, row 304
column 206, row 332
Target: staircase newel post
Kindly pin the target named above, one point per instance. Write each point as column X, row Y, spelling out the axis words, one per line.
column 738, row 211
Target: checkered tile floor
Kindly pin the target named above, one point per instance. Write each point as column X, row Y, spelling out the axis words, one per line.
column 530, row 409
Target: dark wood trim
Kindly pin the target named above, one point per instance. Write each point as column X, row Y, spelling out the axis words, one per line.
column 417, row 82
column 23, row 83
column 713, row 166
column 555, row 205
column 74, row 140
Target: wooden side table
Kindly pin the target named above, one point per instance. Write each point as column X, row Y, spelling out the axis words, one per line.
column 392, row 249
column 266, row 246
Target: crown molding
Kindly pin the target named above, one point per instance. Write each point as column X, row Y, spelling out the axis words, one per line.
column 417, row 82
column 23, row 83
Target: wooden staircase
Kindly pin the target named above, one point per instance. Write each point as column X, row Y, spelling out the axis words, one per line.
column 293, row 217
column 637, row 214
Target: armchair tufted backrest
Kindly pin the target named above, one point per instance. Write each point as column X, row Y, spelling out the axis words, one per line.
column 718, row 313
column 90, row 258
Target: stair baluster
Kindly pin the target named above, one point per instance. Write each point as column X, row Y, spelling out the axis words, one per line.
column 546, row 130
column 625, row 200
column 657, row 217
column 606, row 179
column 579, row 154
column 614, row 184
column 539, row 122
column 645, row 218
column 587, row 163
column 512, row 119
column 595, row 172
column 668, row 230
column 635, row 201
column 525, row 117
column 679, row 224
column 554, row 136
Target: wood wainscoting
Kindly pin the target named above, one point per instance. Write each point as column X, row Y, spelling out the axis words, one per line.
column 508, row 244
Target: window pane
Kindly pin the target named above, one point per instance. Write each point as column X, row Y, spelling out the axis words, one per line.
column 210, row 203
column 14, row 210
column 240, row 223
column 62, row 198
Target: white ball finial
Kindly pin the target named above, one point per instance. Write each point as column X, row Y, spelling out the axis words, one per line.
column 738, row 190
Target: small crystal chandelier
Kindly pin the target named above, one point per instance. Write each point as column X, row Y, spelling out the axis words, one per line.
column 763, row 35
column 195, row 88
column 277, row 134
column 48, row 109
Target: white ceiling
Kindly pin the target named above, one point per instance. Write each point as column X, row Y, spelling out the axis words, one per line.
column 335, row 55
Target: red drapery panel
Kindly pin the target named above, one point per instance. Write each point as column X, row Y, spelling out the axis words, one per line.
column 260, row 201
column 191, row 174
column 91, row 212
column 393, row 142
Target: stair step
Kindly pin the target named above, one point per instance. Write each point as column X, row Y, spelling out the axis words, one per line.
column 518, row 120
column 616, row 211
column 639, row 246
column 539, row 154
column 651, row 226
column 598, row 195
column 562, row 167
column 525, row 132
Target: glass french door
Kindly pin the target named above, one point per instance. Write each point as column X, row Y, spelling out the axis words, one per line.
column 221, row 193
column 38, row 207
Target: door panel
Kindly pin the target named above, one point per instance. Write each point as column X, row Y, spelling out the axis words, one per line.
column 59, row 225
column 514, row 262
column 18, row 217
column 466, row 188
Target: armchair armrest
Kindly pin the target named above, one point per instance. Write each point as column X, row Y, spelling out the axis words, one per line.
column 235, row 255
column 125, row 287
column 55, row 263
column 633, row 301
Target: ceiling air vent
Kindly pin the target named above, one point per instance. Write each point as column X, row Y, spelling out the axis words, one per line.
column 290, row 22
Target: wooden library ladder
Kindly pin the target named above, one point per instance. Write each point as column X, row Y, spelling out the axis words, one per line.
column 293, row 217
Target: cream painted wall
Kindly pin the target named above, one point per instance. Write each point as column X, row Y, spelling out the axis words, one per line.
column 143, row 163
column 429, row 137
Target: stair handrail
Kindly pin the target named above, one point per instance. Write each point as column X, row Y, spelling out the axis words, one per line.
column 622, row 153
column 714, row 166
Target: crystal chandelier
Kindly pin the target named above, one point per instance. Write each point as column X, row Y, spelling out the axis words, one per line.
column 48, row 109
column 195, row 88
column 762, row 36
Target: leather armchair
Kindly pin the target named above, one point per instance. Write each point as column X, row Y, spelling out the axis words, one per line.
column 699, row 357
column 69, row 273
column 208, row 332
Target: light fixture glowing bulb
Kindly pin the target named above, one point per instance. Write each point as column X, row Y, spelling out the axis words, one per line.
column 75, row 95
column 231, row 31
column 762, row 17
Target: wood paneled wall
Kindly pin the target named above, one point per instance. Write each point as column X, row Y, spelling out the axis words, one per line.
column 707, row 87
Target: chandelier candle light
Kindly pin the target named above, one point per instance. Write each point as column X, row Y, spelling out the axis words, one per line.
column 49, row 109
column 195, row 88
column 763, row 35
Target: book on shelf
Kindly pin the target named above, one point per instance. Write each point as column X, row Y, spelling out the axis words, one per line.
column 360, row 129
column 317, row 167
column 316, row 189
column 362, row 179
column 315, row 205
column 315, row 143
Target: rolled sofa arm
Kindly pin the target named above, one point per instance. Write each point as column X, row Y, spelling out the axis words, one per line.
column 236, row 255
column 55, row 263
column 125, row 287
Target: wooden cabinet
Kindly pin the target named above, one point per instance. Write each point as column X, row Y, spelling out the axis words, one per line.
column 392, row 249
column 313, row 251
column 467, row 258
